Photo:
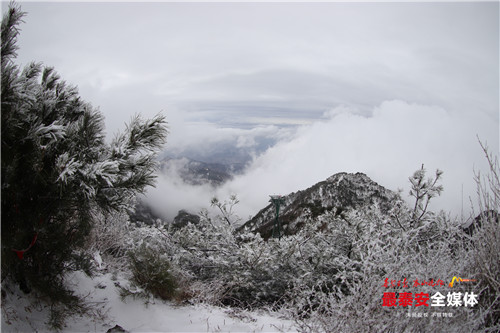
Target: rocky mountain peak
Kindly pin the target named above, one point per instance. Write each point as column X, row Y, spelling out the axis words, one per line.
column 336, row 194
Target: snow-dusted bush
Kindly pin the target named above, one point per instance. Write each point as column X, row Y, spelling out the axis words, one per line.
column 151, row 274
column 242, row 269
column 222, row 268
column 377, row 254
column 107, row 241
column 485, row 244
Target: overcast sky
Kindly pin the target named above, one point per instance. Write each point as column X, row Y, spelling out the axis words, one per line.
column 373, row 87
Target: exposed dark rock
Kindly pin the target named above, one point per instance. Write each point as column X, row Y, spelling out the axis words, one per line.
column 489, row 215
column 183, row 218
column 143, row 214
column 117, row 329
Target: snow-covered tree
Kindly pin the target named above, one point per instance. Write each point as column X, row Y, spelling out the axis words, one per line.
column 423, row 191
column 58, row 172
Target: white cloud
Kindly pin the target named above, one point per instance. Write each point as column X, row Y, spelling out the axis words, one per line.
column 186, row 133
column 299, row 57
column 171, row 194
column 388, row 146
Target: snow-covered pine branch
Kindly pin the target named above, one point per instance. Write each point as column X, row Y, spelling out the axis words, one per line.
column 58, row 173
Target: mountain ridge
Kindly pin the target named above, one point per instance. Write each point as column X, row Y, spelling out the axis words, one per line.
column 196, row 172
column 336, row 194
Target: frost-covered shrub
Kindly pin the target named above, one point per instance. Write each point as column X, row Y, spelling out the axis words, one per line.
column 108, row 240
column 244, row 270
column 485, row 244
column 221, row 268
column 151, row 274
column 378, row 253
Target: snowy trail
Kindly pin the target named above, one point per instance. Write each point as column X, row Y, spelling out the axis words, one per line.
column 135, row 316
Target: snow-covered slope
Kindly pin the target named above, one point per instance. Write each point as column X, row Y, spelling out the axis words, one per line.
column 133, row 315
column 336, row 194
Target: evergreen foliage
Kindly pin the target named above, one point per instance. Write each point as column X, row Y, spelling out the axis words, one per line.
column 423, row 191
column 58, row 173
column 151, row 274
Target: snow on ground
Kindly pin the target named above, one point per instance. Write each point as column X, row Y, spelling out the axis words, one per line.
column 134, row 316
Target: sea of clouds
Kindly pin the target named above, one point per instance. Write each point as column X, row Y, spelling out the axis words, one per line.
column 388, row 145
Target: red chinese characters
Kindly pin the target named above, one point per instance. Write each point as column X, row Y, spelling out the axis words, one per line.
column 421, row 299
column 405, row 299
column 431, row 282
column 389, row 299
column 395, row 284
column 402, row 298
column 416, row 283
